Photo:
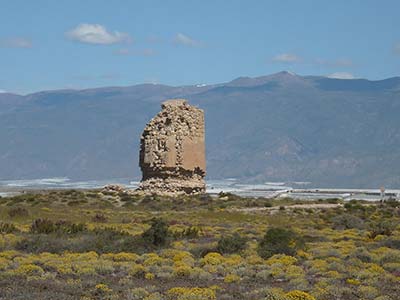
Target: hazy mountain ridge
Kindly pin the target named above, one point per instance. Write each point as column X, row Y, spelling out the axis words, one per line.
column 331, row 132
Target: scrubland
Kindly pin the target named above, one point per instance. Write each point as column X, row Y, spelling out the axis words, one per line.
column 93, row 245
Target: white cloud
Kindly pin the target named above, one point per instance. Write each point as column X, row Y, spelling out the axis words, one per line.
column 97, row 34
column 341, row 75
column 2, row 91
column 286, row 58
column 132, row 52
column 185, row 40
column 16, row 42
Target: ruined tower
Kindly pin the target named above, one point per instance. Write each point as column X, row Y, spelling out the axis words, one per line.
column 172, row 151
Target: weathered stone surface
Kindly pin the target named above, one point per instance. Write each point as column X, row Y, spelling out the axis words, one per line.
column 172, row 151
column 113, row 188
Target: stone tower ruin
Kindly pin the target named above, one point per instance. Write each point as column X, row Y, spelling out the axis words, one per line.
column 172, row 150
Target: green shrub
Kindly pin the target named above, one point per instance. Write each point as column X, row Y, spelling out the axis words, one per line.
column 18, row 212
column 231, row 244
column 189, row 232
column 392, row 202
column 99, row 218
column 347, row 221
column 271, row 295
column 202, row 250
column 47, row 226
column 101, row 240
column 43, row 226
column 7, row 228
column 353, row 206
column 381, row 227
column 279, row 241
column 157, row 234
column 69, row 227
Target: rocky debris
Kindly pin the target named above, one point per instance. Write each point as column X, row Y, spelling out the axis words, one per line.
column 113, row 188
column 172, row 150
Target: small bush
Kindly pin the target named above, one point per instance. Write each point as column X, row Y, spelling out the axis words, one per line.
column 383, row 227
column 202, row 250
column 70, row 228
column 392, row 202
column 99, row 218
column 18, row 212
column 354, row 206
column 104, row 240
column 299, row 295
column 7, row 228
column 189, row 233
column 231, row 244
column 279, row 241
column 47, row 226
column 347, row 221
column 272, row 295
column 157, row 234
column 43, row 226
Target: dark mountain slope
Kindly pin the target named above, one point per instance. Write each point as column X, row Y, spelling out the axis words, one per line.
column 280, row 127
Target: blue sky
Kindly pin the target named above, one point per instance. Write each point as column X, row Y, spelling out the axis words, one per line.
column 78, row 44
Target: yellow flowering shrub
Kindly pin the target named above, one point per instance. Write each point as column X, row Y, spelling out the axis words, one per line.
column 4, row 263
column 231, row 278
column 283, row 259
column 154, row 296
column 333, row 274
column 179, row 257
column 9, row 240
column 294, row 272
column 74, row 282
column 368, row 292
column 353, row 281
column 137, row 293
column 178, row 245
column 28, row 270
column 254, row 259
column 375, row 269
column 181, row 269
column 60, row 264
column 103, row 288
column 212, row 258
column 233, row 260
column 137, row 270
column 299, row 295
column 195, row 293
column 182, row 256
column 334, row 264
column 153, row 260
column 149, row 276
column 318, row 266
column 303, row 254
column 9, row 254
column 122, row 256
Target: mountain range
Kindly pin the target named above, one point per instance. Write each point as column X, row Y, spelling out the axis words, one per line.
column 280, row 127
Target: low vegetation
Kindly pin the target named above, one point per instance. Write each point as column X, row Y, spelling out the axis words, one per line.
column 89, row 245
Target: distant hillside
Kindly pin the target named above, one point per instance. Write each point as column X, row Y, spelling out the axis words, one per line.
column 281, row 127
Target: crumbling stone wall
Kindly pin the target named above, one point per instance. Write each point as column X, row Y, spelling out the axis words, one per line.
column 172, row 150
